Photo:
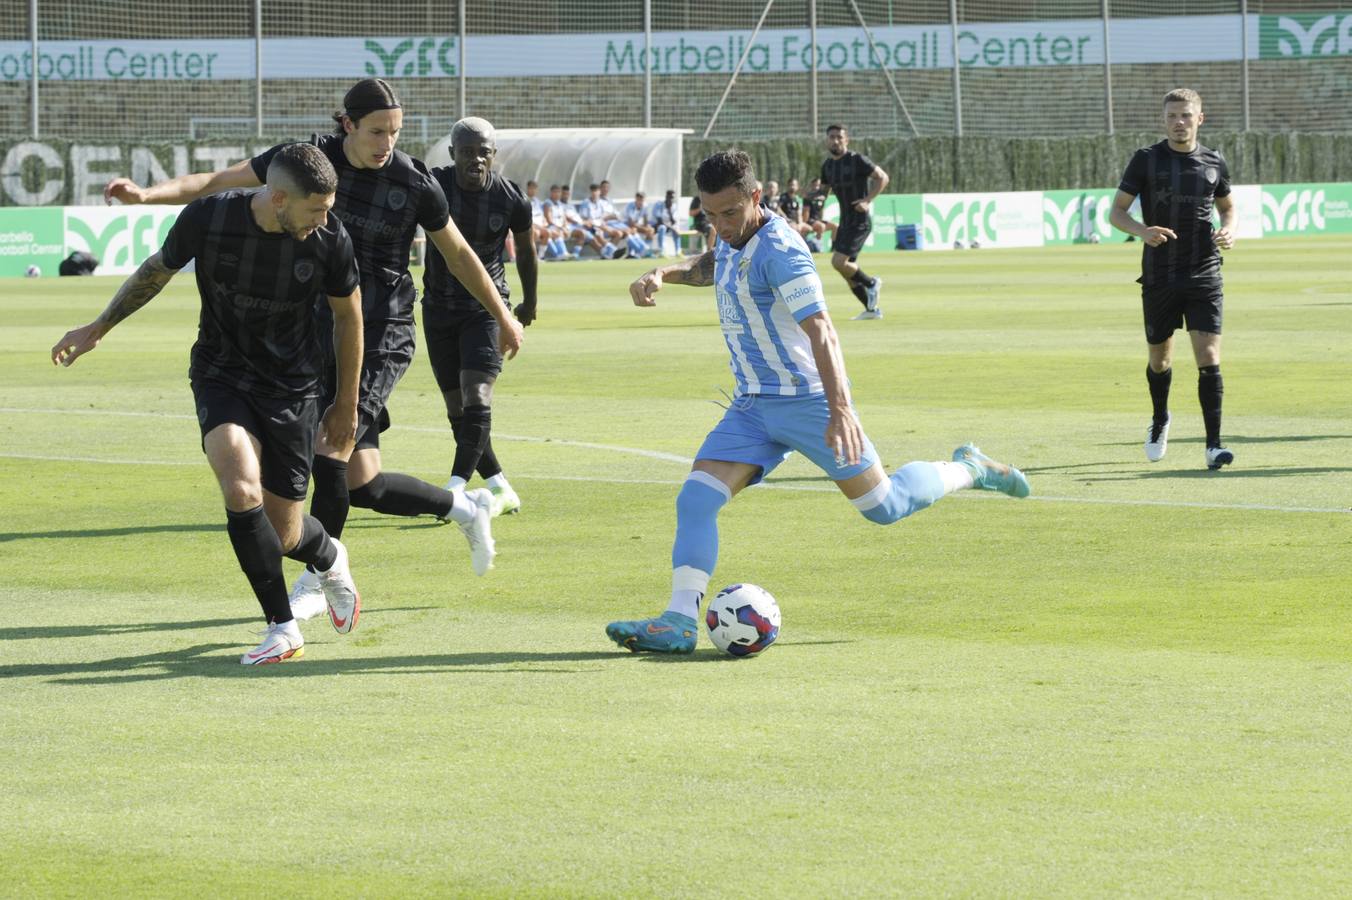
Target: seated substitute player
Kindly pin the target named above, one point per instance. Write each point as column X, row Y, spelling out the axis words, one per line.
column 856, row 180
column 1178, row 181
column 577, row 229
column 790, row 206
column 539, row 231
column 638, row 216
column 664, row 223
column 594, row 217
column 383, row 196
column 462, row 339
column 792, row 394
column 556, row 221
column 814, row 203
column 264, row 259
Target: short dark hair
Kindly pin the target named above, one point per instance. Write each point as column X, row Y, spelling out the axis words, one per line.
column 303, row 168
column 605, row 181
column 532, row 182
column 1183, row 95
column 555, row 187
column 729, row 168
column 364, row 97
column 593, row 187
column 837, row 127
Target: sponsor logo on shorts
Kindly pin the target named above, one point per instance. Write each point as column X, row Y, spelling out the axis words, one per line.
column 201, row 415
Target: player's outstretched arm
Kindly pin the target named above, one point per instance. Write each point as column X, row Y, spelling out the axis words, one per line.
column 1121, row 219
column 696, row 271
column 183, row 189
column 138, row 290
column 465, row 265
column 843, row 433
column 528, row 269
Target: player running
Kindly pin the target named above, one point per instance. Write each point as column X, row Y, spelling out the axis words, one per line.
column 1178, row 182
column 856, row 180
column 383, row 196
column 792, row 394
column 462, row 339
column 264, row 260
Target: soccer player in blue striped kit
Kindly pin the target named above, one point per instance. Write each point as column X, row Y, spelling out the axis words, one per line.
column 792, row 394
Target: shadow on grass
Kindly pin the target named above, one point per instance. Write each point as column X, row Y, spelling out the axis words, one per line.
column 53, row 632
column 1242, row 439
column 1272, row 472
column 208, row 661
column 111, row 532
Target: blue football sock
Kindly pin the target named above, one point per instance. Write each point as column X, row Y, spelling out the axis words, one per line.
column 697, row 506
column 910, row 489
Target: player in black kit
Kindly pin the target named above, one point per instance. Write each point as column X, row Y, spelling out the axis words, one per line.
column 462, row 340
column 1179, row 181
column 265, row 259
column 856, row 180
column 383, row 196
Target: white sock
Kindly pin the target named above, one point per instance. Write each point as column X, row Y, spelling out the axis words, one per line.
column 498, row 482
column 686, row 603
column 291, row 629
column 956, row 476
column 463, row 509
column 455, row 484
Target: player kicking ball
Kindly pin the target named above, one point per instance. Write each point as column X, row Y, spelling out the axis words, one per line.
column 264, row 258
column 792, row 394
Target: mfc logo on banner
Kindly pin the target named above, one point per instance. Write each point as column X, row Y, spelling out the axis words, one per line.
column 1305, row 35
column 427, row 58
column 959, row 220
column 1299, row 210
column 1077, row 220
column 120, row 240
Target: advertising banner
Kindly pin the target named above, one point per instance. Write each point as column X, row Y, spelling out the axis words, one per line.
column 31, row 237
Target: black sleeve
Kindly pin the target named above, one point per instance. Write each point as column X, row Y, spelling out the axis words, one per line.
column 519, row 218
column 1223, row 180
column 1133, row 179
column 825, row 184
column 184, row 240
column 433, row 210
column 260, row 163
column 341, row 277
column 866, row 166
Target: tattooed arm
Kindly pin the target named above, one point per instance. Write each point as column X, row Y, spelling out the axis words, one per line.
column 697, row 271
column 136, row 292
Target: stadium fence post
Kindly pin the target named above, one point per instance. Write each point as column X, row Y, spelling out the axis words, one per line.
column 1107, row 72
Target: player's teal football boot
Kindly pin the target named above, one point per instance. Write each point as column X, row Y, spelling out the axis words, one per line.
column 990, row 475
column 670, row 632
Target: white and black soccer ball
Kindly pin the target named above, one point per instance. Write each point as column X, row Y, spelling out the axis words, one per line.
column 743, row 619
column 32, row 272
column 957, row 245
column 1093, row 237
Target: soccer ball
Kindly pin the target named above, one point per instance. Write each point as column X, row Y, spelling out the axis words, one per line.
column 32, row 272
column 743, row 619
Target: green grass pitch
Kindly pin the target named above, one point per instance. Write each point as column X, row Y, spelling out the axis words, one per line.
column 1138, row 682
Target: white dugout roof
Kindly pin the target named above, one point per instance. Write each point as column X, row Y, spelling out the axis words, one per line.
column 632, row 159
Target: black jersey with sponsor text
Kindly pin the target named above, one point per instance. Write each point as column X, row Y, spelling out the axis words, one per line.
column 257, row 331
column 1178, row 191
column 381, row 209
column 847, row 176
column 484, row 218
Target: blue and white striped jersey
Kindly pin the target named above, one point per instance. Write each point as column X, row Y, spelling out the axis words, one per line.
column 764, row 290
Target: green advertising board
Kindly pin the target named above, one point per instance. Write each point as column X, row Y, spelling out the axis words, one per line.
column 1307, row 209
column 1076, row 217
column 31, row 237
column 1305, row 35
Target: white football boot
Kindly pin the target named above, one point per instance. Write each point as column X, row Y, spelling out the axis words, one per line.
column 505, row 502
column 282, row 641
column 340, row 592
column 1157, row 440
column 307, row 597
column 478, row 531
column 1218, row 456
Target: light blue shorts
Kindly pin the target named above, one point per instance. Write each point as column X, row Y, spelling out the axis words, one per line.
column 762, row 430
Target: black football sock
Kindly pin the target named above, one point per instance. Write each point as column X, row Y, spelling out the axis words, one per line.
column 330, row 503
column 1210, row 390
column 488, row 461
column 260, row 557
column 860, row 293
column 395, row 494
column 1159, row 391
column 314, row 546
column 475, row 423
column 860, row 278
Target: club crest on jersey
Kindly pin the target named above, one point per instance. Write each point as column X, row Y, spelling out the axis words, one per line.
column 396, row 199
column 1211, row 174
column 743, row 266
column 495, row 222
column 304, row 270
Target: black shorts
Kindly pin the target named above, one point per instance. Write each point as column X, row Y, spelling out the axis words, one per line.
column 851, row 234
column 388, row 354
column 460, row 340
column 1166, row 307
column 285, row 429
